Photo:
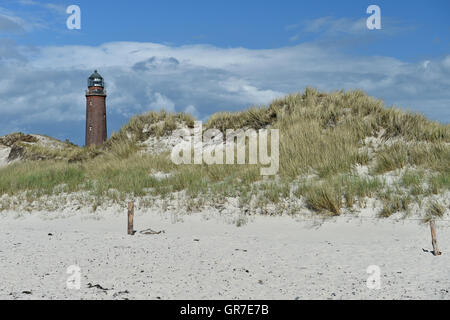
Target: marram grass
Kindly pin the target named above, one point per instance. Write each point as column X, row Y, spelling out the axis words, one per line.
column 322, row 135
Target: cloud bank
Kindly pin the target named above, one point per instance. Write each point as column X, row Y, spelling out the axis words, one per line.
column 42, row 88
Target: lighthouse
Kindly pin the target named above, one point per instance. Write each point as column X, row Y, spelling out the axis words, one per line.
column 96, row 132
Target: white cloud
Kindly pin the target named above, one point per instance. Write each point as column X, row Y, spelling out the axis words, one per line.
column 191, row 109
column 10, row 23
column 341, row 29
column 58, row 8
column 162, row 102
column 446, row 62
column 335, row 25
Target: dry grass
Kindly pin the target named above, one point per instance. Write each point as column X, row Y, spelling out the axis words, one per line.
column 255, row 118
column 435, row 211
column 16, row 137
column 333, row 194
column 320, row 134
column 395, row 203
column 433, row 156
column 158, row 124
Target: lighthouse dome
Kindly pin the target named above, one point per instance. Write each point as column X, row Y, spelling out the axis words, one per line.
column 96, row 80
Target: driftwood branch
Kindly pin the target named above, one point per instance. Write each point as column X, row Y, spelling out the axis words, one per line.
column 150, row 231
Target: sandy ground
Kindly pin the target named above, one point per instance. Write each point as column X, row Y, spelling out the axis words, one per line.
column 196, row 258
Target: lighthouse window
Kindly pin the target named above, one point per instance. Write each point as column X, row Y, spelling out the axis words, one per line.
column 90, row 128
column 95, row 82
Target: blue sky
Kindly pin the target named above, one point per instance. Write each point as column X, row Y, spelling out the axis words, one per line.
column 208, row 56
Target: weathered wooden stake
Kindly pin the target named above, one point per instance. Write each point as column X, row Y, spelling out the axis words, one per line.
column 130, row 218
column 436, row 251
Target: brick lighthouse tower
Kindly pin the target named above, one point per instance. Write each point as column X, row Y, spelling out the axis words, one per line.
column 95, row 110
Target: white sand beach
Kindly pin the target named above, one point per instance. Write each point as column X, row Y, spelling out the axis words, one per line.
column 208, row 258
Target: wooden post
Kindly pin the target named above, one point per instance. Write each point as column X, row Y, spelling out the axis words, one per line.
column 130, row 218
column 436, row 251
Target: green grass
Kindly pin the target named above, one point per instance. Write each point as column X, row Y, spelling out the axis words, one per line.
column 433, row 156
column 273, row 192
column 411, row 178
column 394, row 204
column 40, row 177
column 439, row 182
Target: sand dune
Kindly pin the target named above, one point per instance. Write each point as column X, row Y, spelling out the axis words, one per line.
column 4, row 153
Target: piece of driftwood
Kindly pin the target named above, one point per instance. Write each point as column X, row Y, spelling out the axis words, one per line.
column 130, row 218
column 150, row 231
column 436, row 251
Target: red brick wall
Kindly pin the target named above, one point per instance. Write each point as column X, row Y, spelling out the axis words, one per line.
column 96, row 132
